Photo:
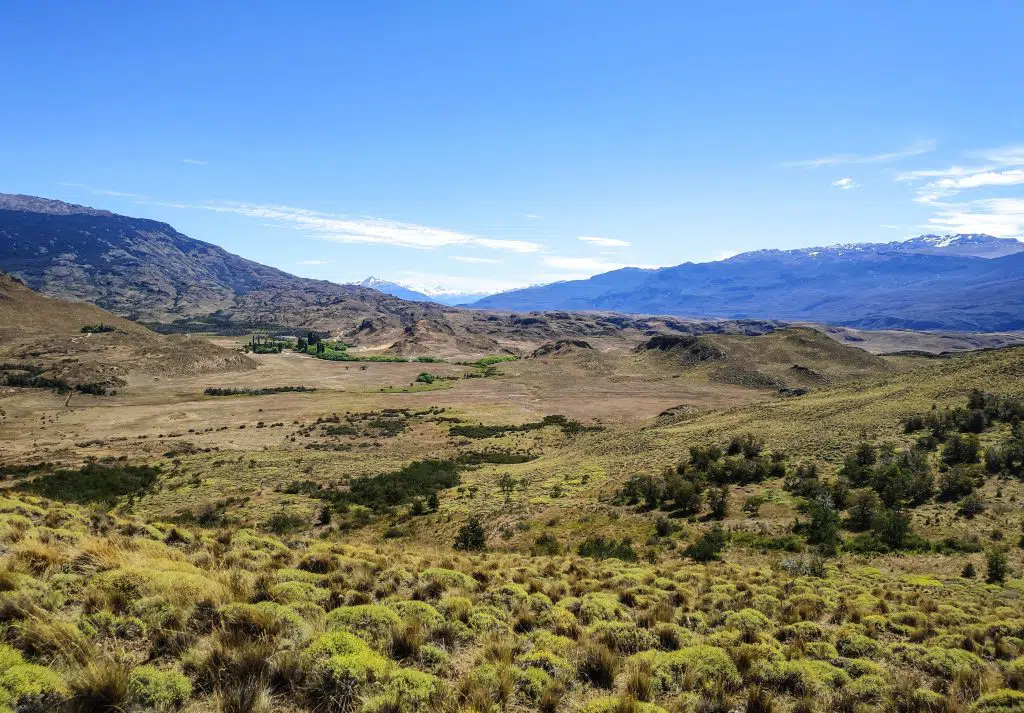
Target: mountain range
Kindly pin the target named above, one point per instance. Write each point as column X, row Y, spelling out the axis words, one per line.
column 957, row 282
column 148, row 272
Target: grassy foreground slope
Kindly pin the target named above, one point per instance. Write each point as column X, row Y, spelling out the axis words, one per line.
column 306, row 562
column 109, row 613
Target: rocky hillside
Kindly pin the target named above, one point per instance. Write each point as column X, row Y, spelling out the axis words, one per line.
column 147, row 271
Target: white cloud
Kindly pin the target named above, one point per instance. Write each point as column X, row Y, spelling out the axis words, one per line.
column 952, row 171
column 337, row 228
column 1001, row 217
column 915, row 149
column 605, row 242
column 476, row 260
column 533, row 216
column 845, row 184
column 115, row 194
column 586, row 265
column 194, row 161
column 439, row 284
column 978, row 180
column 1007, row 155
column 314, row 262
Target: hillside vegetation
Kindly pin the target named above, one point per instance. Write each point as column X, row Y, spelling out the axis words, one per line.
column 502, row 534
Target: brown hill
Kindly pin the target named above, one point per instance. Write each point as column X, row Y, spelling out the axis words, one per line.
column 562, row 346
column 785, row 359
column 46, row 334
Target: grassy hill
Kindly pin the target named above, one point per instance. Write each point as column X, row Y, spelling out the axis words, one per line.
column 75, row 343
column 459, row 546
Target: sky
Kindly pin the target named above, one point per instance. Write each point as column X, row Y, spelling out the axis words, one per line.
column 482, row 146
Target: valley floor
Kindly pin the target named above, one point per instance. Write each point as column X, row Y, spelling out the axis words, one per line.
column 294, row 550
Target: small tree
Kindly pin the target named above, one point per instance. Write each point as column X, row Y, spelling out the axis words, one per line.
column 864, row 507
column 325, row 516
column 471, row 536
column 823, row 529
column 507, row 484
column 997, row 566
column 718, row 502
column 433, row 502
column 709, row 546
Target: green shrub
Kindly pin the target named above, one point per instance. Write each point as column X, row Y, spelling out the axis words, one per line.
column 613, row 704
column 601, row 548
column 94, row 483
column 1001, row 701
column 28, row 687
column 448, row 578
column 371, row 622
column 701, row 665
column 162, row 690
column 263, row 620
column 709, row 546
column 471, row 536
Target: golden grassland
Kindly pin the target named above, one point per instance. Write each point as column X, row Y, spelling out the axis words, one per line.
column 222, row 586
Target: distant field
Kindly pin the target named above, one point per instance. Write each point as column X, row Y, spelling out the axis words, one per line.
column 629, row 565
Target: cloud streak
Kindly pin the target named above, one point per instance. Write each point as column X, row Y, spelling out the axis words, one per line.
column 605, row 242
column 998, row 216
column 915, row 149
column 845, row 184
column 591, row 265
column 194, row 161
column 342, row 229
column 472, row 260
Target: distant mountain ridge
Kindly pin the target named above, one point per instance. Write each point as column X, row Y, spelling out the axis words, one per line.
column 397, row 289
column 955, row 282
column 955, row 245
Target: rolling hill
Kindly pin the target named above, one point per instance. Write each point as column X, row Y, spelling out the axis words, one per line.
column 79, row 343
column 929, row 283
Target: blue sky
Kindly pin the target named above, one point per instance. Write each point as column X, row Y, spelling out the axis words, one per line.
column 485, row 145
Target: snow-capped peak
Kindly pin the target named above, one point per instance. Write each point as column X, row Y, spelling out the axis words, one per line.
column 959, row 245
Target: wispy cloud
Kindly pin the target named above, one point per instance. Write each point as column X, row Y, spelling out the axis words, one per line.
column 533, row 216
column 342, row 229
column 314, row 262
column 1003, row 167
column 476, row 260
column 591, row 265
column 1001, row 217
column 915, row 149
column 194, row 161
column 116, row 194
column 845, row 184
column 605, row 242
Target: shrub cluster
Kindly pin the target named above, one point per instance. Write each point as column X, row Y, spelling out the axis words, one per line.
column 264, row 391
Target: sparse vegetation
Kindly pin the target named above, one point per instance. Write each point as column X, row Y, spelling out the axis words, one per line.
column 262, row 391
column 853, row 549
